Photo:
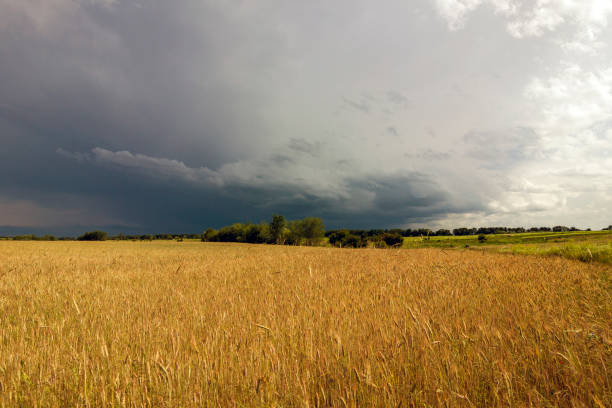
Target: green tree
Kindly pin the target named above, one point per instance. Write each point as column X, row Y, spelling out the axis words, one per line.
column 278, row 225
column 210, row 235
column 257, row 233
column 234, row 233
column 338, row 238
column 313, row 230
column 560, row 228
column 294, row 233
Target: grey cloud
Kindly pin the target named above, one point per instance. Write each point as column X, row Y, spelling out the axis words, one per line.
column 602, row 129
column 27, row 213
column 392, row 130
column 431, row 155
column 375, row 200
column 176, row 115
column 281, row 160
column 100, row 75
column 270, row 187
column 397, row 98
column 154, row 167
column 157, row 166
column 402, row 193
column 360, row 106
column 504, row 149
column 304, row 146
column 78, row 156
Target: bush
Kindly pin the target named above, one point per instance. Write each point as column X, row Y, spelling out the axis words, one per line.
column 392, row 239
column 345, row 239
column 482, row 238
column 93, row 236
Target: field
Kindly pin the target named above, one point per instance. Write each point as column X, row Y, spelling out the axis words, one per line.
column 586, row 246
column 511, row 239
column 169, row 324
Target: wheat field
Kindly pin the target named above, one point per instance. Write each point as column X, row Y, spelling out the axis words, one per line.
column 167, row 324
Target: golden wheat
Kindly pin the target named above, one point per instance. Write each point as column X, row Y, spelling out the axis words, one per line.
column 191, row 324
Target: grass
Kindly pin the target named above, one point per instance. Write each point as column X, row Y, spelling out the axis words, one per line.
column 586, row 252
column 508, row 239
column 167, row 324
column 586, row 246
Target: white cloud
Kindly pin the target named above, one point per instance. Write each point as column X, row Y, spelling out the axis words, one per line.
column 571, row 113
column 456, row 11
column 154, row 166
column 528, row 18
column 571, row 98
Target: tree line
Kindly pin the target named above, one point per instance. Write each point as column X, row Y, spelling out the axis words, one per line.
column 307, row 231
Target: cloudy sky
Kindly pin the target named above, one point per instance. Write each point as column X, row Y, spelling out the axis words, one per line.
column 156, row 115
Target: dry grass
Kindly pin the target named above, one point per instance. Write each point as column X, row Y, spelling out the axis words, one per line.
column 191, row 324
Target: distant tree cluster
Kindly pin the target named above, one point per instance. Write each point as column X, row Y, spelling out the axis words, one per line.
column 361, row 238
column 154, row 237
column 94, row 236
column 388, row 237
column 424, row 232
column 308, row 231
column 32, row 237
column 510, row 230
column 539, row 229
column 561, row 228
column 488, row 230
column 346, row 239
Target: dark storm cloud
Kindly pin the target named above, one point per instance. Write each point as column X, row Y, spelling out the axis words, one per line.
column 76, row 75
column 127, row 77
column 255, row 193
column 173, row 116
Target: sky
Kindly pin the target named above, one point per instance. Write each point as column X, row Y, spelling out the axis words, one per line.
column 143, row 116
